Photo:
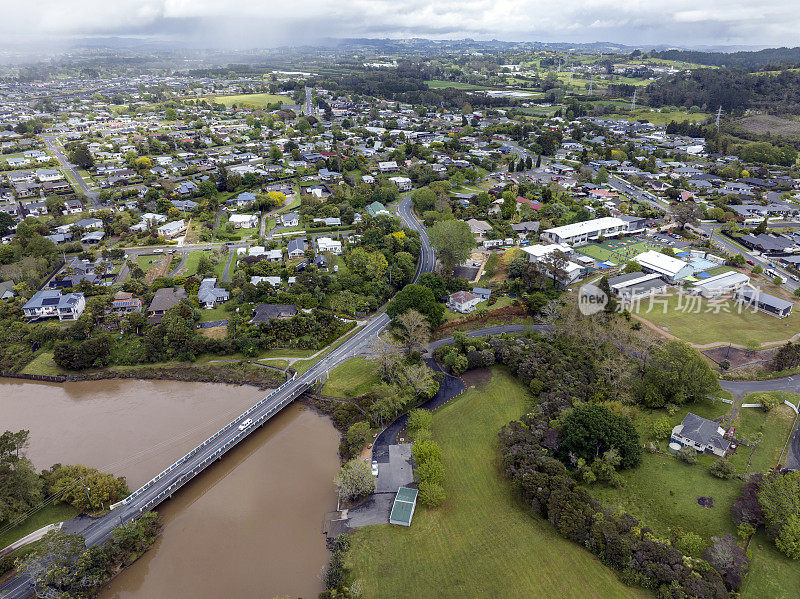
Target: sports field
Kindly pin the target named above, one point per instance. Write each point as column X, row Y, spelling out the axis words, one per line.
column 246, row 100
column 618, row 251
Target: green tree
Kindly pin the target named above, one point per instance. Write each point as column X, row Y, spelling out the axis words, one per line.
column 418, row 420
column 426, row 451
column 421, row 299
column 357, row 436
column 354, row 479
column 54, row 562
column 722, row 469
column 589, row 430
column 81, row 157
column 677, row 373
column 788, row 541
column 413, row 329
column 453, row 242
column 423, row 199
column 6, row 222
column 84, row 487
column 779, row 497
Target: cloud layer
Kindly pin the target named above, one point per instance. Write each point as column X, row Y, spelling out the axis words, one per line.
column 246, row 23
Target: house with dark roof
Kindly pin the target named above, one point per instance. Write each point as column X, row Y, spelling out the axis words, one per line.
column 164, row 299
column 701, row 434
column 765, row 302
column 267, row 312
column 209, row 295
column 124, row 303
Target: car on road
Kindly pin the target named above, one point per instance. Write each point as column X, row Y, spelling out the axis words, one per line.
column 374, row 468
column 246, row 424
column 158, row 251
column 751, row 263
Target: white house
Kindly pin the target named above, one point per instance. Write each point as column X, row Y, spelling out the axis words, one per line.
column 403, row 183
column 173, row 229
column 244, row 221
column 49, row 303
column 326, row 244
column 463, row 301
column 701, row 434
column 290, row 219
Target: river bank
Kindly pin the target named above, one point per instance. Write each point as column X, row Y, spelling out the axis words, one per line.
column 266, row 498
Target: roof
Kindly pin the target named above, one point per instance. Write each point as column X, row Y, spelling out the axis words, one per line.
column 587, row 226
column 726, row 279
column 167, row 297
column 461, row 297
column 403, row 507
column 765, row 299
column 266, row 312
column 661, row 263
column 702, row 431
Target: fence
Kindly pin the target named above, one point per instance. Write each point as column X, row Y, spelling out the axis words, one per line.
column 205, row 443
column 35, row 377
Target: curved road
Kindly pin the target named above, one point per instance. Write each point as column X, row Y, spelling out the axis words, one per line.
column 99, row 530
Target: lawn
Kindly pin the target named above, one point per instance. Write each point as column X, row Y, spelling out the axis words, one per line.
column 772, row 574
column 662, row 492
column 244, row 100
column 774, row 428
column 214, row 314
column 352, row 378
column 662, row 118
column 693, row 320
column 482, row 542
column 43, row 364
column 147, row 261
column 47, row 515
column 192, row 261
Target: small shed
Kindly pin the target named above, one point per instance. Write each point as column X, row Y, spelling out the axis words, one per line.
column 403, row 509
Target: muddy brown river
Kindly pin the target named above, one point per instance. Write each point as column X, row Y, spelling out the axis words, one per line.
column 250, row 526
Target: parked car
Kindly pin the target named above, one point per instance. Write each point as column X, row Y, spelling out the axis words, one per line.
column 246, row 424
column 158, row 251
column 374, row 468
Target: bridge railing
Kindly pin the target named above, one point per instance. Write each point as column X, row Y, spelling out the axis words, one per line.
column 187, row 476
column 205, row 443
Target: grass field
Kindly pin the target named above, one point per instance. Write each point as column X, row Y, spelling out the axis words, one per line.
column 352, row 378
column 244, row 100
column 48, row 515
column 43, row 364
column 662, row 118
column 772, row 574
column 774, row 427
column 618, row 251
column 684, row 321
column 437, row 84
column 482, row 542
column 663, row 493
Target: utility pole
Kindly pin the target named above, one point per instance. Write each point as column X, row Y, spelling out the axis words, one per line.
column 87, row 489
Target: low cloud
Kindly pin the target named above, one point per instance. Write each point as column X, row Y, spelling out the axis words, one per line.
column 247, row 23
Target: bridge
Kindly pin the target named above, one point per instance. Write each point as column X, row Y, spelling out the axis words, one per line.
column 171, row 479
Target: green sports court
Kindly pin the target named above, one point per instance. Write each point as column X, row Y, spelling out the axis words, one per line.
column 618, row 251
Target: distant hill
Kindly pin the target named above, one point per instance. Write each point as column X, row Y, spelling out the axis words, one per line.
column 754, row 60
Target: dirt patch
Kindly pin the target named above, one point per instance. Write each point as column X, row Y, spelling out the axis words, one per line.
column 516, row 309
column 772, row 124
column 706, row 502
column 740, row 358
column 215, row 332
column 477, row 377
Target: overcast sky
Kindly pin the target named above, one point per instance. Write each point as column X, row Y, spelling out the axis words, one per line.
column 264, row 23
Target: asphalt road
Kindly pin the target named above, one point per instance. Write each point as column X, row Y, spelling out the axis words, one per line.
column 66, row 165
column 99, row 530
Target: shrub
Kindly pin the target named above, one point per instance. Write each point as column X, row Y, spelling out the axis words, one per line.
column 722, row 469
column 418, row 420
column 431, row 494
column 687, row 455
column 431, row 471
column 662, row 428
column 691, row 544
